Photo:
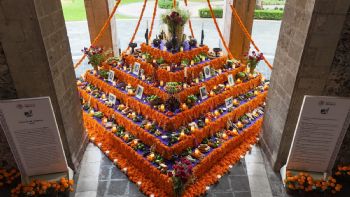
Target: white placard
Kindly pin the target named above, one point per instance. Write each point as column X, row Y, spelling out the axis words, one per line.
column 31, row 130
column 231, row 81
column 203, row 92
column 112, row 98
column 136, row 68
column 139, row 92
column 111, row 76
column 207, row 73
column 318, row 131
column 229, row 102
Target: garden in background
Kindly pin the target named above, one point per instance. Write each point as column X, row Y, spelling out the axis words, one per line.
column 74, row 10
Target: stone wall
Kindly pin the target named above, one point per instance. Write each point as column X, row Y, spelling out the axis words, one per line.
column 39, row 60
column 308, row 40
column 7, row 91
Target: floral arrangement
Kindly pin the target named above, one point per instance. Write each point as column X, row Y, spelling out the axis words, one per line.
column 39, row 187
column 96, row 56
column 175, row 19
column 253, row 60
column 7, row 177
column 304, row 182
column 181, row 175
column 173, row 87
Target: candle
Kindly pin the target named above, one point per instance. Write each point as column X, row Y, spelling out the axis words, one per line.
column 185, row 85
column 197, row 80
column 114, row 83
column 263, row 79
column 185, row 72
column 134, row 142
column 162, row 107
column 103, row 96
column 207, row 120
column 143, row 77
column 126, row 137
column 256, row 93
column 220, row 71
column 94, row 72
column 192, row 62
column 143, row 56
column 148, row 126
column 216, row 113
column 266, row 87
column 130, row 92
column 124, row 67
column 161, row 83
column 203, row 58
column 78, row 83
column 150, row 157
column 181, row 49
column 211, row 93
column 239, row 124
column 224, row 136
column 168, row 68
column 114, row 128
column 251, row 76
column 235, row 102
column 92, row 112
column 235, row 132
column 238, row 81
column 193, row 128
column 182, row 135
column 164, row 48
column 184, row 106
column 88, row 89
column 105, row 120
column 197, row 152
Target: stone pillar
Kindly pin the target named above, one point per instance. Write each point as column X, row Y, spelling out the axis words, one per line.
column 237, row 41
column 305, row 55
column 39, row 61
column 97, row 12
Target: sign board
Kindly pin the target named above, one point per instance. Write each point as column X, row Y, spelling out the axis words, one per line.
column 319, row 128
column 32, row 133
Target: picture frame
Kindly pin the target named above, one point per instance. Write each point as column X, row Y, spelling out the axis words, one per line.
column 110, row 76
column 112, row 98
column 230, row 79
column 229, row 102
column 136, row 68
column 139, row 92
column 207, row 73
column 203, row 92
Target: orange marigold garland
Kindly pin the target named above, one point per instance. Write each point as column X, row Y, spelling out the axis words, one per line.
column 138, row 23
column 153, row 17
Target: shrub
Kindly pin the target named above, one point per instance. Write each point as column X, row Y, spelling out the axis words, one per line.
column 268, row 14
column 205, row 12
column 166, row 4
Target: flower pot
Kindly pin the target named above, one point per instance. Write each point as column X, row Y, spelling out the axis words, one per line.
column 179, row 31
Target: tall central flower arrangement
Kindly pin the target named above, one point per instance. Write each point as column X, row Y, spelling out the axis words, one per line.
column 175, row 20
column 174, row 116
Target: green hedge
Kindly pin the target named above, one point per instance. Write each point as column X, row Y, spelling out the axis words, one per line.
column 258, row 14
column 166, row 4
column 268, row 14
column 205, row 13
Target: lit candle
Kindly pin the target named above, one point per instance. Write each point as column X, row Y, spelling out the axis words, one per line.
column 94, row 72
column 263, row 79
column 130, row 92
column 182, row 135
column 197, row 152
column 207, row 120
column 193, row 128
column 266, row 87
column 250, row 76
column 235, row 132
column 238, row 81
column 220, row 71
column 181, row 49
column 92, row 112
column 143, row 77
column 134, row 142
column 143, row 56
column 150, row 157
column 162, row 107
column 103, row 96
column 185, row 72
column 114, row 128
column 235, row 102
column 168, row 68
column 197, row 80
column 224, row 136
column 164, row 48
column 124, row 67
column 185, row 85
column 203, row 58
column 192, row 62
column 217, row 113
column 161, row 83
column 239, row 124
column 105, row 120
column 114, row 83
column 256, row 92
column 88, row 89
column 184, row 106
column 212, row 93
column 78, row 82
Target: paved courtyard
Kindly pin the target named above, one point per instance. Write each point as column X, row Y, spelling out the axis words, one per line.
column 265, row 33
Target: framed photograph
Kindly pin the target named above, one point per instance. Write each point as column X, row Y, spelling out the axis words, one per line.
column 139, row 92
column 203, row 92
column 231, row 81
column 112, row 98
column 110, row 76
column 229, row 102
column 207, row 73
column 136, row 68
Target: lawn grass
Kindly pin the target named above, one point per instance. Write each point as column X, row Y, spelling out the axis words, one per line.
column 274, row 2
column 75, row 10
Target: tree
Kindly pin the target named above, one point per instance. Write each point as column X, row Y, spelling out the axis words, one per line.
column 259, row 4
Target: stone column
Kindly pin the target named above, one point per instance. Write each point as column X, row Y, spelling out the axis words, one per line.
column 97, row 12
column 237, row 41
column 39, row 62
column 305, row 55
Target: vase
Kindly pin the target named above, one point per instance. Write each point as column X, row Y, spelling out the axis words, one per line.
column 179, row 32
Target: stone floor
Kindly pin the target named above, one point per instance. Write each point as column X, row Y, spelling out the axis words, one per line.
column 98, row 177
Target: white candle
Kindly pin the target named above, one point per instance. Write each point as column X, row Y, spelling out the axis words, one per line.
column 168, row 68
column 185, row 71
